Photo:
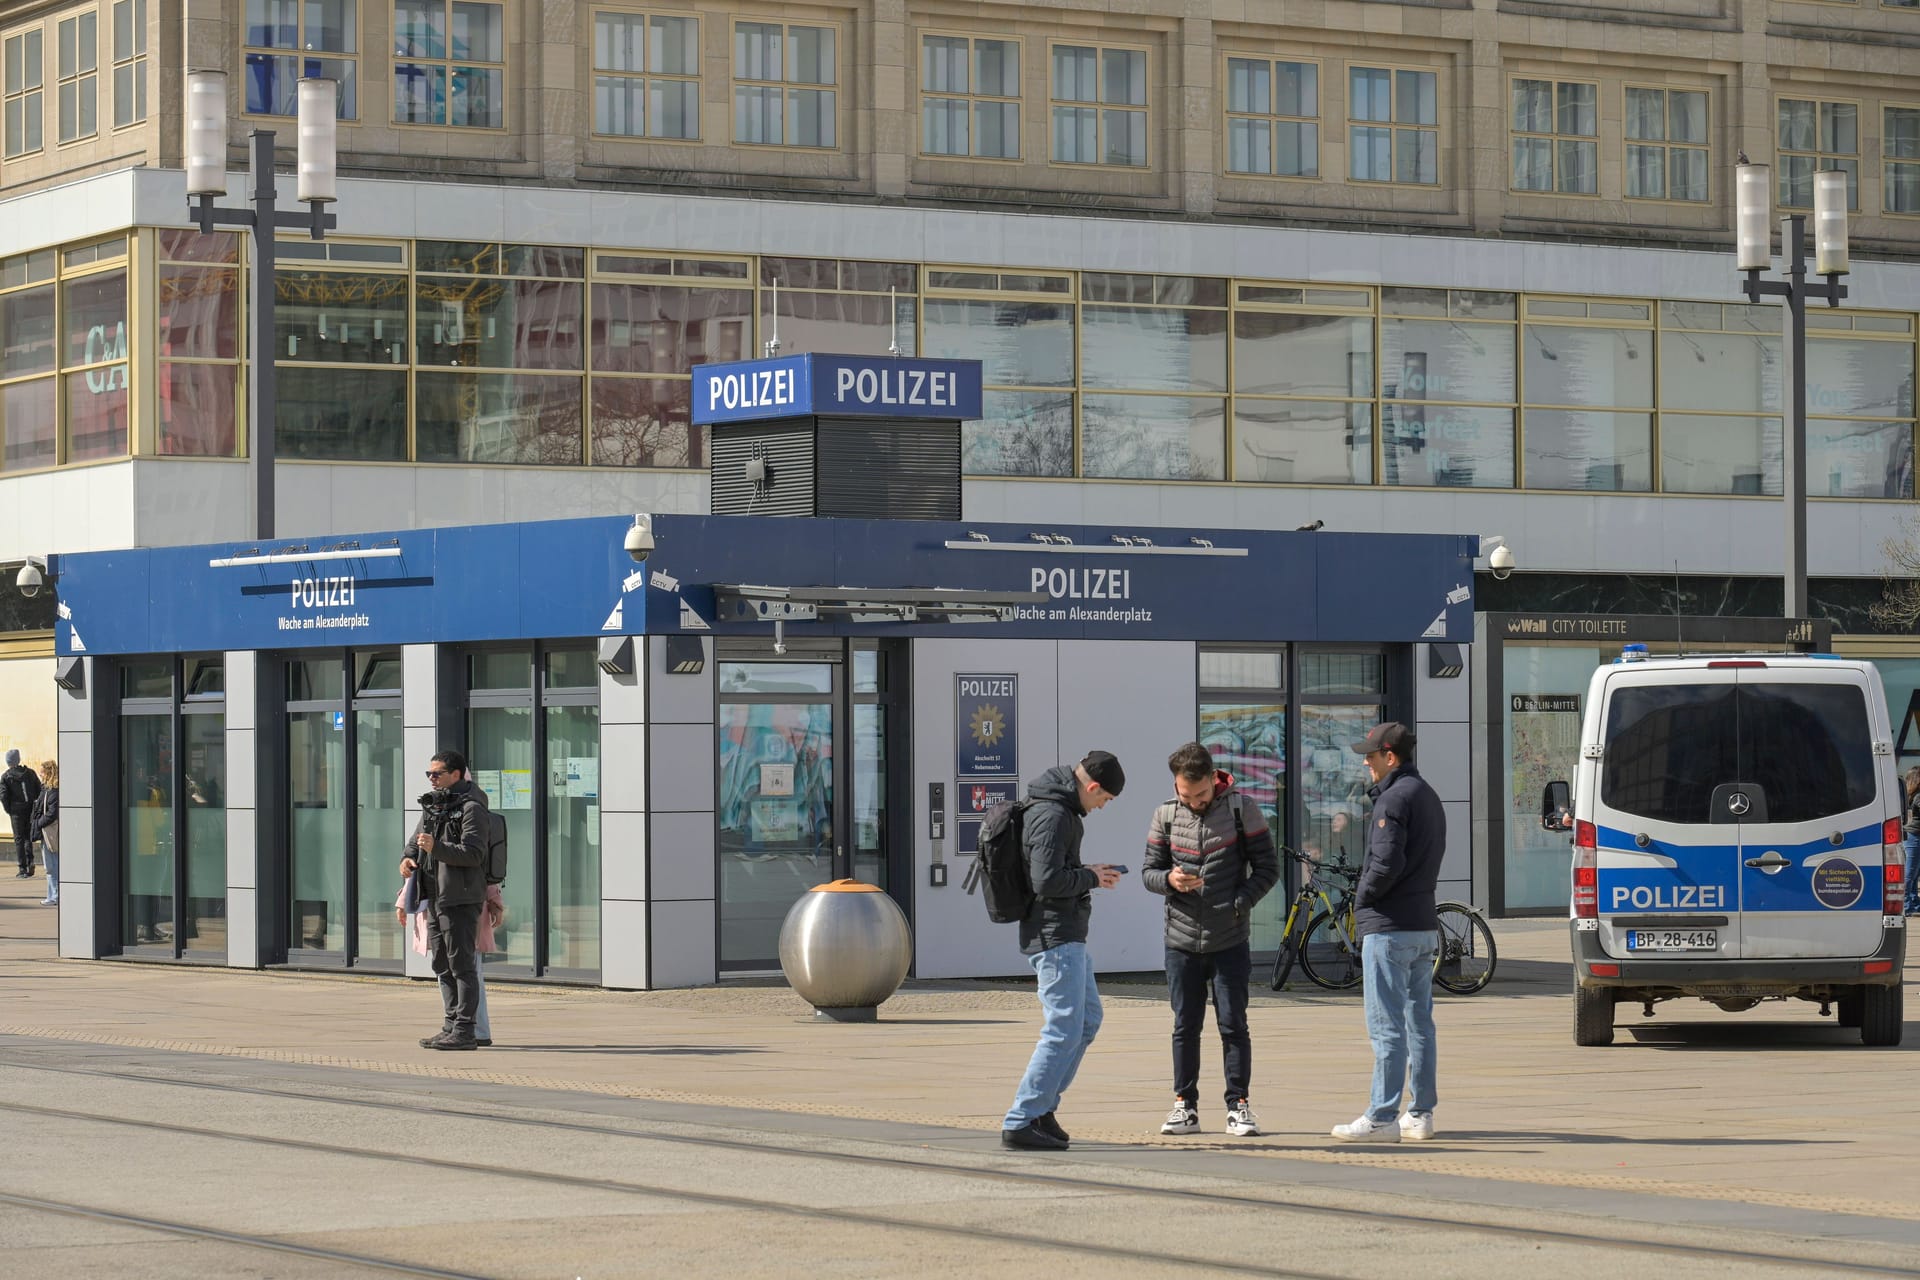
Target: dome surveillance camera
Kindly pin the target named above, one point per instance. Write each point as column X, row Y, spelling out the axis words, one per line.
column 639, row 541
column 29, row 580
column 1500, row 561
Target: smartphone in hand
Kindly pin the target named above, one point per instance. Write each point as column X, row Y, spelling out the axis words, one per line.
column 1119, row 869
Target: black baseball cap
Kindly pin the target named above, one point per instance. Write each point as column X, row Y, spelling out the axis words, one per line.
column 1102, row 767
column 1391, row 736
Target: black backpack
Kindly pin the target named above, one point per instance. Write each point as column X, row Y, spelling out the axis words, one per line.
column 1002, row 865
column 496, row 848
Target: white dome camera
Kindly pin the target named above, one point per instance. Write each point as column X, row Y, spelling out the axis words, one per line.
column 1500, row 562
column 639, row 541
column 30, row 579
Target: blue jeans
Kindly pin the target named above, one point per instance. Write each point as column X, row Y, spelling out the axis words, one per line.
column 52, row 859
column 1913, row 868
column 1399, row 975
column 1071, row 1003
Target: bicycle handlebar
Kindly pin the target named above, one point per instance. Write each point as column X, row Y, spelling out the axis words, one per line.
column 1342, row 870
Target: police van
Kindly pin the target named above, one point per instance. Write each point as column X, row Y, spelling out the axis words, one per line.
column 1737, row 838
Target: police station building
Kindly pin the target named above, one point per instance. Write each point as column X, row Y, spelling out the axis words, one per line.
column 833, row 674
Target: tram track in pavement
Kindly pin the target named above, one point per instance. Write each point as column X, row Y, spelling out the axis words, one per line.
column 1373, row 1215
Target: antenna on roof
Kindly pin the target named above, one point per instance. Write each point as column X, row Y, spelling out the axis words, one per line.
column 773, row 343
column 1678, row 643
column 893, row 323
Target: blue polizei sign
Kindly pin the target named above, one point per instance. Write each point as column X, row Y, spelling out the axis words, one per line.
column 572, row 578
column 830, row 386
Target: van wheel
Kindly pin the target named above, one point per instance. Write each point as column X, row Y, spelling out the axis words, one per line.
column 1880, row 1015
column 1592, row 1015
column 1847, row 1007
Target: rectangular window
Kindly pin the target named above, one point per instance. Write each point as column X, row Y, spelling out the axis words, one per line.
column 1099, row 106
column 970, row 97
column 1555, row 126
column 1815, row 136
column 22, row 84
column 783, row 85
column 1666, row 144
column 1273, row 117
column 289, row 39
column 129, row 62
column 1902, row 150
column 1393, row 125
column 449, row 64
column 79, row 76
column 646, row 76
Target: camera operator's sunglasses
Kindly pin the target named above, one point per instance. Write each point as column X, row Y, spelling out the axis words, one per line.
column 439, row 773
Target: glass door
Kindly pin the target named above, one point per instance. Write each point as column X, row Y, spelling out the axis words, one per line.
column 776, row 802
column 1342, row 695
column 204, row 793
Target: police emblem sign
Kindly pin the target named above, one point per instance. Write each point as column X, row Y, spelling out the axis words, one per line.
column 985, row 711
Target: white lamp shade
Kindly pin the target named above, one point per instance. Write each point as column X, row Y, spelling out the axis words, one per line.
column 319, row 146
column 206, row 133
column 1753, row 209
column 1830, row 222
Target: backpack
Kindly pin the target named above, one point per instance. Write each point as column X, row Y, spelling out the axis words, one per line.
column 496, row 848
column 1002, row 865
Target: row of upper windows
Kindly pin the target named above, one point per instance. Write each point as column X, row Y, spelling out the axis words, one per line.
column 75, row 73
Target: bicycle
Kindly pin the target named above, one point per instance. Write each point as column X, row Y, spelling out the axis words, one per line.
column 1323, row 942
column 1464, row 961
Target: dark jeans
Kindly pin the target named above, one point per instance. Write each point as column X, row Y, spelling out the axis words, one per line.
column 1190, row 976
column 450, row 939
column 23, row 843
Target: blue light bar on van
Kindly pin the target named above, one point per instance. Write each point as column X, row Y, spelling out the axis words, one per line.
column 1633, row 653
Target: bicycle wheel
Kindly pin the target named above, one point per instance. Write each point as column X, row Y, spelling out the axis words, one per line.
column 1289, row 952
column 1330, row 956
column 1464, row 961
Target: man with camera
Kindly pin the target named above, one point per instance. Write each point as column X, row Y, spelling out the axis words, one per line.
column 448, row 852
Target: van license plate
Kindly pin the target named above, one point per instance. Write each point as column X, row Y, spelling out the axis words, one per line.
column 1673, row 940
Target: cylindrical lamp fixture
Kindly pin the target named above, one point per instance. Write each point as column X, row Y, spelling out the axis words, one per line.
column 1830, row 222
column 318, row 140
column 1753, row 208
column 206, row 133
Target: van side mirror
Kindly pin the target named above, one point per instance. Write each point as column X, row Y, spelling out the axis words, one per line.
column 1556, row 807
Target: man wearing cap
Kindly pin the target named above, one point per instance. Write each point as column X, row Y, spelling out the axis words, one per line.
column 1399, row 931
column 19, row 788
column 1053, row 937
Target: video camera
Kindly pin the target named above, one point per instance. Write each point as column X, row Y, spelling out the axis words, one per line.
column 437, row 808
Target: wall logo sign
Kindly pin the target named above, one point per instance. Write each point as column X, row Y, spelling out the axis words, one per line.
column 985, row 712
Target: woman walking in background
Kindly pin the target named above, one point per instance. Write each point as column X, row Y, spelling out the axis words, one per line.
column 45, row 827
column 1911, row 783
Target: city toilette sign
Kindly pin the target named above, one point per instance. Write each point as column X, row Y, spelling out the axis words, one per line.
column 829, row 386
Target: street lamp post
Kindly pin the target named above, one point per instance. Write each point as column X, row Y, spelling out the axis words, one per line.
column 1754, row 203
column 207, row 179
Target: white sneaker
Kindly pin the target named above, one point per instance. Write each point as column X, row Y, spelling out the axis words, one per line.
column 1241, row 1122
column 1416, row 1126
column 1365, row 1130
column 1182, row 1119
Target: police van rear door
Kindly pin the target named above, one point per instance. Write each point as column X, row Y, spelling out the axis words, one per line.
column 1810, row 877
column 1668, row 859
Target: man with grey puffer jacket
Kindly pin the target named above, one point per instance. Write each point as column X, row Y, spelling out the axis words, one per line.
column 1210, row 852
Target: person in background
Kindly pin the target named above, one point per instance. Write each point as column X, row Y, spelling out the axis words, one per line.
column 1911, row 784
column 449, row 850
column 411, row 912
column 45, row 827
column 19, row 789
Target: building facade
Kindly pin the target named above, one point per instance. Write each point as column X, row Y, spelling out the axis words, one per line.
column 1405, row 267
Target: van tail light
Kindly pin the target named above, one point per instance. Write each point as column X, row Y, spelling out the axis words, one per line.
column 1586, row 873
column 1893, row 870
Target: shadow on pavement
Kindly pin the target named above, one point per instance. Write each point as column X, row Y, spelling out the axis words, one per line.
column 1758, row 1036
column 689, row 1050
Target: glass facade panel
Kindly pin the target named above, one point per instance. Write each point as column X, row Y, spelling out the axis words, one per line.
column 96, row 413
column 385, row 820
column 1302, row 441
column 1154, row 348
column 774, row 844
column 317, row 831
column 339, row 317
column 1446, row 360
column 1702, row 453
column 573, row 836
column 26, row 332
column 646, row 422
column 205, row 785
column 28, row 424
column 497, row 324
column 1588, row 367
column 860, row 324
column 1020, row 433
column 1022, row 344
column 1333, row 781
column 199, row 416
column 653, row 328
column 1248, row 739
column 1859, row 459
column 146, row 780
column 1153, row 437
column 572, row 669
column 501, row 757
column 1859, row 377
column 361, row 416
column 497, row 417
column 1286, row 354
column 1585, row 449
column 1447, row 445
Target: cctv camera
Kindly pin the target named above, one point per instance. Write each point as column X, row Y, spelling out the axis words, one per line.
column 639, row 542
column 1500, row 561
column 29, row 579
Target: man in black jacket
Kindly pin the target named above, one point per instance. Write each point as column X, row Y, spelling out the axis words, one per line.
column 451, row 843
column 1053, row 937
column 1210, row 852
column 19, row 788
column 1399, row 931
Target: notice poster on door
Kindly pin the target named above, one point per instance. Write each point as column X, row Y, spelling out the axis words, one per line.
column 488, row 780
column 1546, row 747
column 583, row 778
column 516, row 789
column 985, row 717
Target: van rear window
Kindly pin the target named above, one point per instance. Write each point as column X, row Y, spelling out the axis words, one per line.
column 1807, row 748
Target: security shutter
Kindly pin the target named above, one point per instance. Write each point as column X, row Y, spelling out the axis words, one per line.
column 874, row 470
column 786, row 447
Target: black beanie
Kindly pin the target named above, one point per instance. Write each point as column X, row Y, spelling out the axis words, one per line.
column 1103, row 768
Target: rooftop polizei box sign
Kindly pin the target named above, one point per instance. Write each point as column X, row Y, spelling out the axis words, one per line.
column 830, row 386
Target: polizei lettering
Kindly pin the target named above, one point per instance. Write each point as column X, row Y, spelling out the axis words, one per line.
column 986, row 686
column 1084, row 584
column 321, row 593
column 897, row 386
column 1670, row 897
column 752, row 389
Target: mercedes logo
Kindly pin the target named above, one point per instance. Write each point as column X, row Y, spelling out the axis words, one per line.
column 1738, row 804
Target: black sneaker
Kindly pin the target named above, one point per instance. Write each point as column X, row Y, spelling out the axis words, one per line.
column 428, row 1042
column 1031, row 1138
column 453, row 1042
column 1047, row 1124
